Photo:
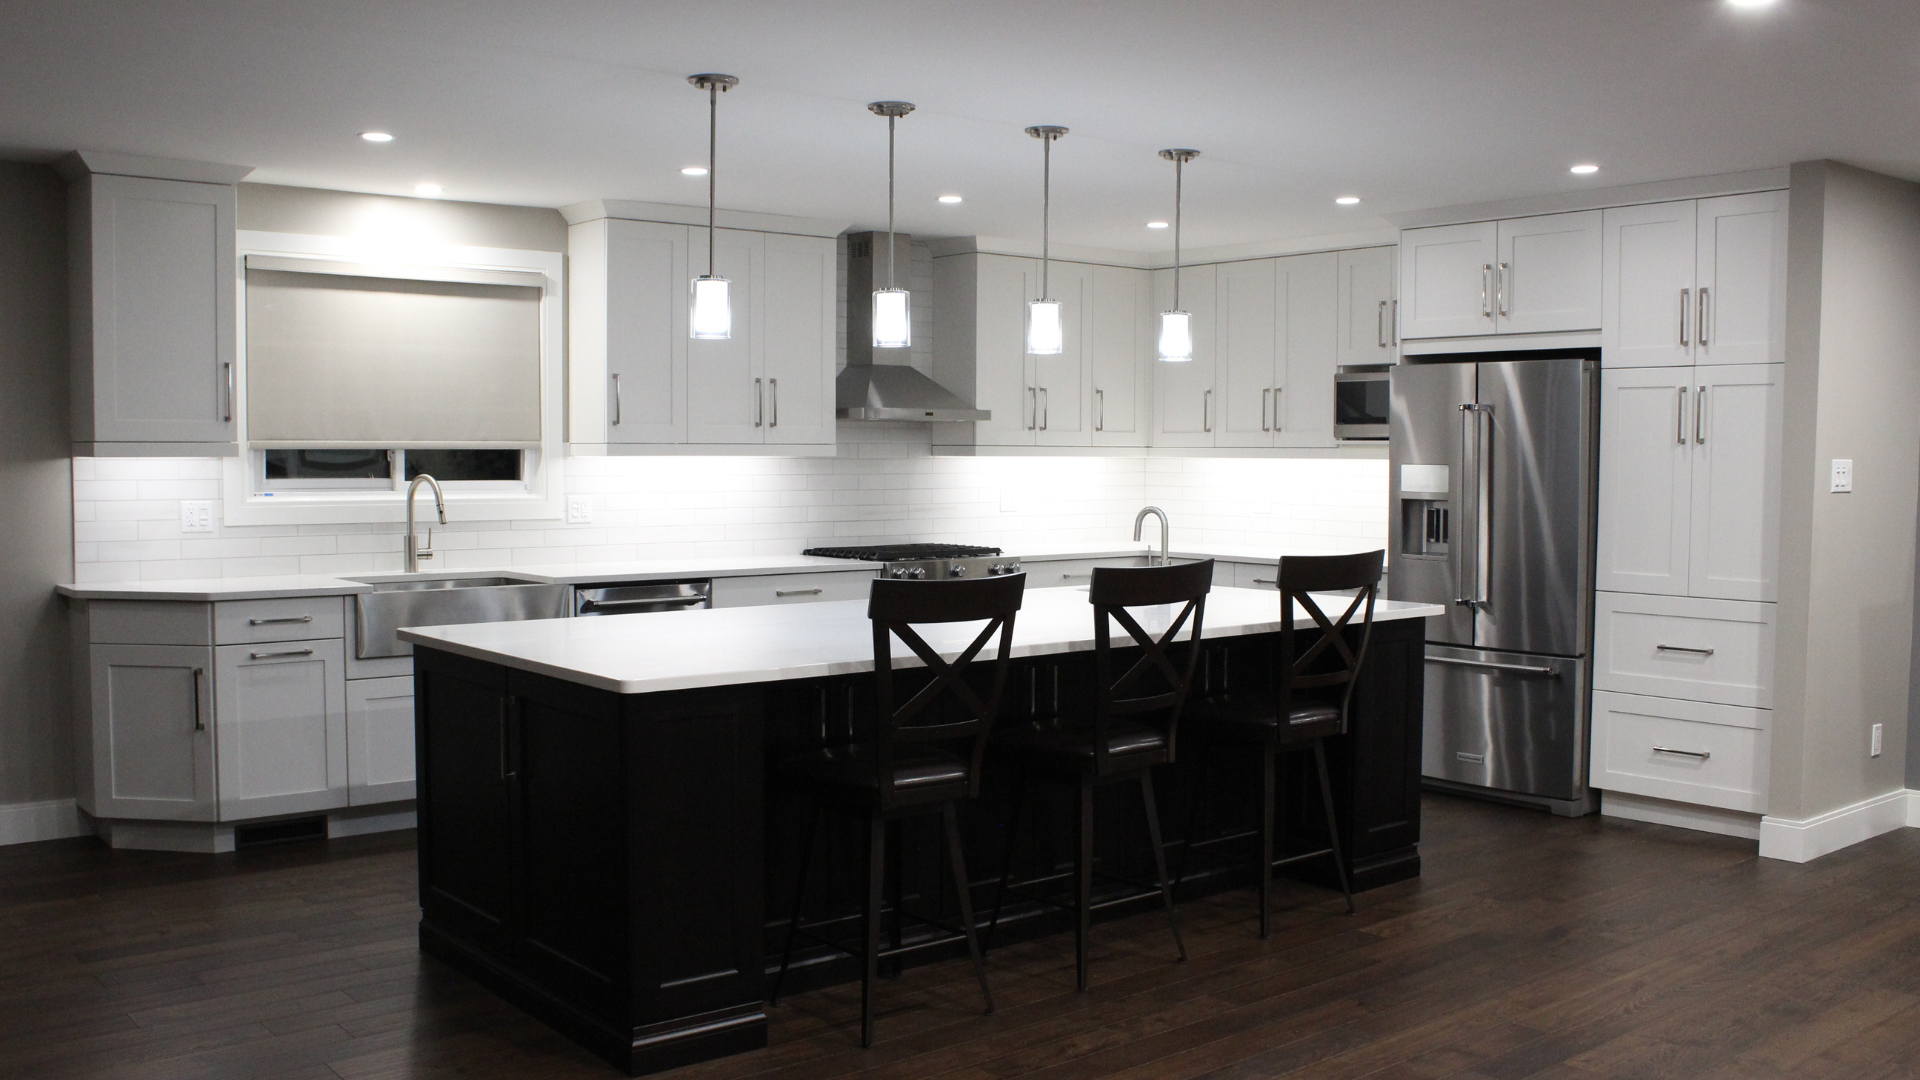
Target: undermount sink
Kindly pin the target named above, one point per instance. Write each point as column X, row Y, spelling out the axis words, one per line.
column 445, row 600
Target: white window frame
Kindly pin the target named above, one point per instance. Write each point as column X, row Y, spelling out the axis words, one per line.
column 541, row 497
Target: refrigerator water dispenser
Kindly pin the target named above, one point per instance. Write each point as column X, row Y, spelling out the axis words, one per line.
column 1424, row 525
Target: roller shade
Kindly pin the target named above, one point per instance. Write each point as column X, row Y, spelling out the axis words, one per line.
column 338, row 360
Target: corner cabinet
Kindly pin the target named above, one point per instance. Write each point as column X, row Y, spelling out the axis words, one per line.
column 638, row 384
column 1520, row 276
column 153, row 299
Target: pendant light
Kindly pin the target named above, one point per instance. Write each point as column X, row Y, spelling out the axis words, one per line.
column 892, row 306
column 1046, row 330
column 1176, row 326
column 712, row 316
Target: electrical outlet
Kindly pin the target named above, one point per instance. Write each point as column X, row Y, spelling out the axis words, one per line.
column 1877, row 730
column 1842, row 475
column 579, row 509
column 196, row 516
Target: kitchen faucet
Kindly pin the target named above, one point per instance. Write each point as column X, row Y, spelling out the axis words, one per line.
column 1140, row 518
column 414, row 552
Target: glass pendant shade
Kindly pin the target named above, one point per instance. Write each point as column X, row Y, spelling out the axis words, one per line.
column 1046, row 335
column 712, row 309
column 1176, row 336
column 892, row 319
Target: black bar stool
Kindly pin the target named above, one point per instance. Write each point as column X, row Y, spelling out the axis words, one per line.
column 1132, row 725
column 920, row 762
column 1305, row 706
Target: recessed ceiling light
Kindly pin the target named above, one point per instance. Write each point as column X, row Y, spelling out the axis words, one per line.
column 949, row 198
column 1584, row 170
column 376, row 136
column 694, row 170
column 1156, row 224
column 1348, row 200
column 1750, row 3
column 427, row 191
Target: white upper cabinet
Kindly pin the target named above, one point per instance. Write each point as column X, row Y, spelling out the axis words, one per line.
column 1309, row 287
column 1548, row 277
column 1118, row 348
column 1696, row 282
column 1369, row 311
column 1446, row 280
column 1689, row 481
column 1185, row 410
column 1520, row 276
column 1278, row 327
column 638, row 384
column 154, row 320
column 1742, row 268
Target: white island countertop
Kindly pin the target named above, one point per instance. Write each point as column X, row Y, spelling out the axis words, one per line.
column 683, row 650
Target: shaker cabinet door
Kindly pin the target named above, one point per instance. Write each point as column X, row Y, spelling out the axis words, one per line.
column 1062, row 377
column 1368, row 313
column 380, row 740
column 1446, row 280
column 1003, row 378
column 1548, row 278
column 643, row 322
column 797, row 297
column 726, row 390
column 1736, row 481
column 1186, row 406
column 1250, row 365
column 1308, row 289
column 282, row 727
column 1648, row 293
column 1119, row 352
column 153, row 718
column 1742, row 257
column 1646, row 480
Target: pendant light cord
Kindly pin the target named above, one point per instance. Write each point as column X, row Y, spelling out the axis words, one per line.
column 713, row 136
column 893, row 251
column 1046, row 212
column 1178, row 165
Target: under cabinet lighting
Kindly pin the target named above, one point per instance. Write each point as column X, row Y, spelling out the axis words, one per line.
column 949, row 199
column 1750, row 3
column 376, row 136
column 1584, row 170
column 427, row 191
column 1348, row 200
column 694, row 170
column 1156, row 224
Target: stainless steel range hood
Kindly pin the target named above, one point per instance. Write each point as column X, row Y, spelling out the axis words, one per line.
column 867, row 390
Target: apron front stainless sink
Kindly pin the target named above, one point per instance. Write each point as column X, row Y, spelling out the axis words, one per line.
column 445, row 600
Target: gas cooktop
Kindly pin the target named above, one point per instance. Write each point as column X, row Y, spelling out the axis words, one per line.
column 902, row 552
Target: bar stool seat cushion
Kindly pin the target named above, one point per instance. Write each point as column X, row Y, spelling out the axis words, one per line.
column 1251, row 717
column 925, row 772
column 1071, row 745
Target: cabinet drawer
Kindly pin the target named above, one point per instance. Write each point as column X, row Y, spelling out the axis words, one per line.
column 298, row 618
column 1255, row 575
column 791, row 588
column 148, row 622
column 1683, row 647
column 1686, row 751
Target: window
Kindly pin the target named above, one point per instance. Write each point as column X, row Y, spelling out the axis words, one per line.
column 318, row 470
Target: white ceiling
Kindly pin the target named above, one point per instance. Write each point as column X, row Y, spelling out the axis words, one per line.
column 1407, row 103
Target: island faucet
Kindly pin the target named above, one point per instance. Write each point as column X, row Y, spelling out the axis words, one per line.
column 414, row 552
column 1140, row 518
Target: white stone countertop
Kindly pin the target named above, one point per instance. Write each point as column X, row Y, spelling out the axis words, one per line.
column 680, row 650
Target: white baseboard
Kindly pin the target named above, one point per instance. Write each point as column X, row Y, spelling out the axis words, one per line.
column 26, row 823
column 1681, row 815
column 1913, row 809
column 1804, row 841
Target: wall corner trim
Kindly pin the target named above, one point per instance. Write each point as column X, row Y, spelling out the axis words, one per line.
column 1804, row 841
column 29, row 822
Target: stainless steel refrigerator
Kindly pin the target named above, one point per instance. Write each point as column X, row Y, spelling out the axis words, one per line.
column 1493, row 467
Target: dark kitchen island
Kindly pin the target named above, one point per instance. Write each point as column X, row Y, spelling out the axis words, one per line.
column 599, row 844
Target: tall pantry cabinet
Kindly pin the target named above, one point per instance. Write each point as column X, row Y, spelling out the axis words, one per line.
column 1693, row 344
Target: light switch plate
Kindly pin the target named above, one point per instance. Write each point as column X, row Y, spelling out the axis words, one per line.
column 1842, row 475
column 579, row 509
column 196, row 516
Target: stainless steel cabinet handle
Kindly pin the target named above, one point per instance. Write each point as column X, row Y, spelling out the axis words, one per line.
column 1686, row 301
column 1701, row 322
column 759, row 403
column 1700, row 415
column 276, row 655
column 1504, row 287
column 509, row 748
column 616, row 401
column 1680, row 419
column 1266, row 400
column 1701, row 754
column 226, row 415
column 1277, row 426
column 798, row 592
column 1393, row 325
column 773, row 391
column 1033, row 408
column 1380, row 325
column 276, row 622
column 1206, row 411
column 1072, row 577
column 1266, row 581
column 1046, row 409
column 1521, row 669
column 199, row 721
column 1100, row 410
column 1486, row 290
column 1684, row 649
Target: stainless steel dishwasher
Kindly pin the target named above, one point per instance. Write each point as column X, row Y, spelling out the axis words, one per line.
column 627, row 598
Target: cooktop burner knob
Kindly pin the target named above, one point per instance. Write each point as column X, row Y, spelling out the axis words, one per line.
column 898, row 572
column 917, row 573
column 958, row 571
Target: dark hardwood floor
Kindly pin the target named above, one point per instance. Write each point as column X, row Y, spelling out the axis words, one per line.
column 1532, row 947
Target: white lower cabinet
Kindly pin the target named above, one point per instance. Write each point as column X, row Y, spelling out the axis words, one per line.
column 1682, row 751
column 1718, row 651
column 281, row 727
column 379, row 740
column 152, row 732
column 791, row 588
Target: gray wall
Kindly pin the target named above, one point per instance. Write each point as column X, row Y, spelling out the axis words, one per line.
column 36, row 487
column 269, row 208
column 1845, row 646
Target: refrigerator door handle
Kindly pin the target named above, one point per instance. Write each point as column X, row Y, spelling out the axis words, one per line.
column 1523, row 669
column 1473, row 453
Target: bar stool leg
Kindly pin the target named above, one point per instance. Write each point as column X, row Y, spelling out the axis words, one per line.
column 964, row 886
column 1333, row 829
column 799, row 894
column 1006, row 859
column 876, row 883
column 1083, row 870
column 1266, row 842
column 1160, row 858
column 895, row 872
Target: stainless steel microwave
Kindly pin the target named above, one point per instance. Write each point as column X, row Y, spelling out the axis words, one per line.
column 1360, row 405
